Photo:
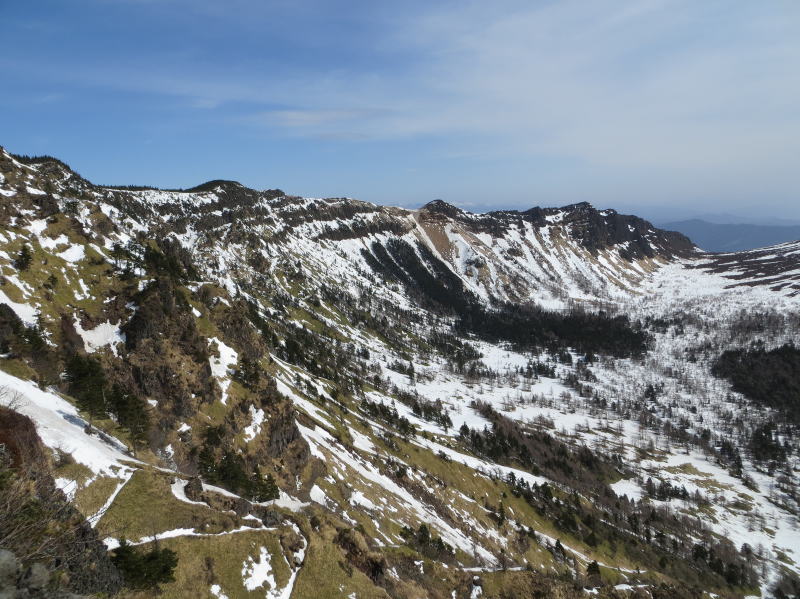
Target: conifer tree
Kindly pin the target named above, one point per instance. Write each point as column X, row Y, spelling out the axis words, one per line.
column 593, row 571
column 131, row 413
column 87, row 383
column 24, row 258
column 144, row 570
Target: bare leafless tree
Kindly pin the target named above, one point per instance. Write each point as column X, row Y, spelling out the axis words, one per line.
column 11, row 398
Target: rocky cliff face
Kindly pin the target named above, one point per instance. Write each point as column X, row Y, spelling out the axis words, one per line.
column 593, row 229
column 48, row 548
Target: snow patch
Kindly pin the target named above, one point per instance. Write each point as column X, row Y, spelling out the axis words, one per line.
column 257, row 418
column 220, row 366
column 61, row 427
column 627, row 487
column 25, row 312
column 256, row 573
column 74, row 253
column 103, row 334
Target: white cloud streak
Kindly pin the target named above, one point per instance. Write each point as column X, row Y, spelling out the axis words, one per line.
column 639, row 82
column 645, row 84
column 703, row 95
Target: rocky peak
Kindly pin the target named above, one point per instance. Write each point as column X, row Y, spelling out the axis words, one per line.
column 579, row 207
column 442, row 207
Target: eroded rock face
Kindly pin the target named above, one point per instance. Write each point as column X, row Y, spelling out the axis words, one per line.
column 10, row 324
column 71, row 341
column 269, row 517
column 33, row 582
column 241, row 507
column 75, row 553
column 594, row 229
column 194, row 489
column 282, row 431
column 167, row 358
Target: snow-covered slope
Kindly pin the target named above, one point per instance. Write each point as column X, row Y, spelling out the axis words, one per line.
column 315, row 339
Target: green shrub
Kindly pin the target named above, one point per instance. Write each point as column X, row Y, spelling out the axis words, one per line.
column 144, row 570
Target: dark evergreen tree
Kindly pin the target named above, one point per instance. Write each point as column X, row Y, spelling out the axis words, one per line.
column 87, row 383
column 24, row 258
column 263, row 488
column 144, row 570
column 131, row 413
column 593, row 571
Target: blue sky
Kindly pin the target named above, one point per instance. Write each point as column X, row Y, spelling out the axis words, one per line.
column 664, row 107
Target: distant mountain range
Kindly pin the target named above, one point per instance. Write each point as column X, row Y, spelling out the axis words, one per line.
column 715, row 237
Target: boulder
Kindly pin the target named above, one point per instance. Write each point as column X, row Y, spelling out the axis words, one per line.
column 194, row 489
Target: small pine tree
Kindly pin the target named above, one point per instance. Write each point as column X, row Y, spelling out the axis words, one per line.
column 34, row 338
column 118, row 254
column 207, row 463
column 231, row 473
column 131, row 413
column 248, row 373
column 263, row 488
column 593, row 571
column 87, row 383
column 143, row 571
column 423, row 535
column 24, row 258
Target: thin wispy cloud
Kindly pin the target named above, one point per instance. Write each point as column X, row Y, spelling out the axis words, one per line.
column 700, row 98
column 626, row 86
